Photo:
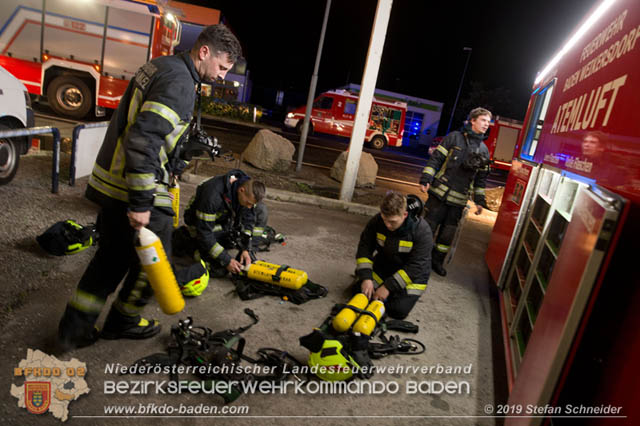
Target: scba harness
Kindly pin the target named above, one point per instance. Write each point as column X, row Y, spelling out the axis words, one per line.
column 219, row 356
column 341, row 352
column 67, row 237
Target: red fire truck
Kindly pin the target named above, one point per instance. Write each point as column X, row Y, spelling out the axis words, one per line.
column 334, row 113
column 563, row 247
column 81, row 54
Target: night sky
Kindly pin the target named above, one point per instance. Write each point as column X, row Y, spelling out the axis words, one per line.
column 423, row 55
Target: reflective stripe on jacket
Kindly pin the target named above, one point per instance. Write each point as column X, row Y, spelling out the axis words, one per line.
column 399, row 260
column 134, row 163
column 214, row 208
column 450, row 182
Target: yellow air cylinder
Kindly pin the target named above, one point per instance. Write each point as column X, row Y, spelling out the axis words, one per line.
column 347, row 316
column 175, row 203
column 159, row 272
column 366, row 323
column 266, row 272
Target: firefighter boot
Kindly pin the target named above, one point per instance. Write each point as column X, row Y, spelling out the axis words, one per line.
column 437, row 262
column 76, row 330
column 120, row 326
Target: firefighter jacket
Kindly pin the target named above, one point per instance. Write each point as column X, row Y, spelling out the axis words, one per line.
column 458, row 167
column 134, row 164
column 214, row 210
column 399, row 259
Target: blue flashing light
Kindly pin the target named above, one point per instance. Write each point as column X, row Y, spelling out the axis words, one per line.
column 578, row 177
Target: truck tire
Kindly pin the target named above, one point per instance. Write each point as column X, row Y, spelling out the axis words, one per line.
column 9, row 157
column 299, row 128
column 69, row 96
column 378, row 142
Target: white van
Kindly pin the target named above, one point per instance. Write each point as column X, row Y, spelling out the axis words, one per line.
column 15, row 113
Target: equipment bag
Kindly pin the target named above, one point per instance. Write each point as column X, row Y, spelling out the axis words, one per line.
column 67, row 237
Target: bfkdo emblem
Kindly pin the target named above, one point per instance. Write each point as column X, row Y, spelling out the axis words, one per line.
column 37, row 396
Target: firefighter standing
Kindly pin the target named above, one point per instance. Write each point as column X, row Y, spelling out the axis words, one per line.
column 393, row 260
column 221, row 205
column 130, row 183
column 458, row 166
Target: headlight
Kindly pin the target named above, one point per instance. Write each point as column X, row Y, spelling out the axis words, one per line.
column 290, row 115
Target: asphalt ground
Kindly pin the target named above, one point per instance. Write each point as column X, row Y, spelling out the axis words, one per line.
column 457, row 319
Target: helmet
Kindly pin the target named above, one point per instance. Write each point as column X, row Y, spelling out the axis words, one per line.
column 332, row 362
column 199, row 283
column 414, row 205
column 67, row 237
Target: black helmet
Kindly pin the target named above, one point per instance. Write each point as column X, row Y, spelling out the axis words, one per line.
column 414, row 205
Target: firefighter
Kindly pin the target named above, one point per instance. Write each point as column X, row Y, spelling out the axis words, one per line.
column 222, row 215
column 130, row 182
column 393, row 260
column 459, row 166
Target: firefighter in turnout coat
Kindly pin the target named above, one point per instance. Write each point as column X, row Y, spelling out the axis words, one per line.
column 457, row 168
column 130, row 184
column 393, row 260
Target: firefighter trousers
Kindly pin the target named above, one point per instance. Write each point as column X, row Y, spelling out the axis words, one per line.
column 115, row 260
column 443, row 219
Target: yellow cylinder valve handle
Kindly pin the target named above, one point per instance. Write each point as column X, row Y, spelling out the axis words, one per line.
column 277, row 275
column 347, row 316
column 159, row 272
column 367, row 323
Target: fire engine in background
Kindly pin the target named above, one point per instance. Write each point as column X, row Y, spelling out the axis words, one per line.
column 563, row 246
column 334, row 113
column 81, row 54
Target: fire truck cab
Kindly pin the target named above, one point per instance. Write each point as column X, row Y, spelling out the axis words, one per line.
column 334, row 113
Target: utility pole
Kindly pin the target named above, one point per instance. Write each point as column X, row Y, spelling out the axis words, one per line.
column 367, row 87
column 312, row 91
column 455, row 104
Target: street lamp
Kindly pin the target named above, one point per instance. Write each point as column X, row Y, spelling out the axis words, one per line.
column 455, row 104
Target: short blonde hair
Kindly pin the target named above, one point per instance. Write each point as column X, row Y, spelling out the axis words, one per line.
column 393, row 204
column 477, row 112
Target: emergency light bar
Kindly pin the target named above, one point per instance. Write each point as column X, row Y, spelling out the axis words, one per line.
column 604, row 6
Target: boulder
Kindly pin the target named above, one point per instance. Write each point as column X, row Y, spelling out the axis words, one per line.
column 367, row 171
column 269, row 151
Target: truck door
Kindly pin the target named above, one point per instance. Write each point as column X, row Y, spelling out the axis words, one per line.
column 322, row 114
column 345, row 111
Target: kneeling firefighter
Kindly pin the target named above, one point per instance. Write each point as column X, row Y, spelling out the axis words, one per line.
column 393, row 260
column 221, row 216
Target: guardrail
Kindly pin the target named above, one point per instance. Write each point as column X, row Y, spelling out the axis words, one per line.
column 74, row 147
column 55, row 172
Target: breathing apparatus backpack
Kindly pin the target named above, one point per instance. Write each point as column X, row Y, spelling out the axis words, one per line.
column 264, row 278
column 269, row 236
column 342, row 349
column 220, row 353
column 67, row 237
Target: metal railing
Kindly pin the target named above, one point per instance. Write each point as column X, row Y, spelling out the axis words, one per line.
column 55, row 172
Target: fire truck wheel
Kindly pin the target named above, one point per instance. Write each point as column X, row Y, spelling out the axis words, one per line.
column 9, row 157
column 299, row 128
column 378, row 142
column 69, row 96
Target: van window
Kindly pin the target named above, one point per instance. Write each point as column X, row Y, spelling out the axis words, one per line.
column 350, row 107
column 323, row 103
column 533, row 127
